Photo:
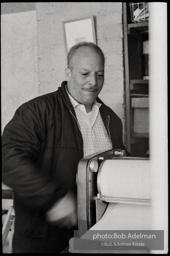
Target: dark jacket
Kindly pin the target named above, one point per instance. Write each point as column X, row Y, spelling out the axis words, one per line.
column 41, row 148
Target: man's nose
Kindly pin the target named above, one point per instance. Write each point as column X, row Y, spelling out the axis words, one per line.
column 93, row 79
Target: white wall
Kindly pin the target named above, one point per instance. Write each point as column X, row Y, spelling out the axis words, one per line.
column 19, row 76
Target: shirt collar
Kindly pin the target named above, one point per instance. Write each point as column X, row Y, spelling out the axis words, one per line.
column 76, row 103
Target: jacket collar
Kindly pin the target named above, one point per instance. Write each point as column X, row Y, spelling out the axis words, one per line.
column 64, row 95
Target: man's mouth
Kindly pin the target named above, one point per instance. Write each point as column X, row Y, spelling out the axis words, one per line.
column 91, row 89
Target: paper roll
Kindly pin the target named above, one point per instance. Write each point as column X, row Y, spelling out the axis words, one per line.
column 125, row 217
column 126, row 179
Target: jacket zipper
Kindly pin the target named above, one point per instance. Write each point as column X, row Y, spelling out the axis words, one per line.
column 107, row 127
column 76, row 122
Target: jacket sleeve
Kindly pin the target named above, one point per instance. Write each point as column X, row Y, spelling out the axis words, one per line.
column 22, row 143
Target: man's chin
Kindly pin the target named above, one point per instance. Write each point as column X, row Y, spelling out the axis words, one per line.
column 89, row 101
column 90, row 97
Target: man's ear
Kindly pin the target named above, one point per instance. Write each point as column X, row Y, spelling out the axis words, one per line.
column 68, row 74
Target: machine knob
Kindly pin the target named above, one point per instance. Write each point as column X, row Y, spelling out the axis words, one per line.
column 94, row 166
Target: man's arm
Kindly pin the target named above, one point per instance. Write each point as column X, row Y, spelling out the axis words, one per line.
column 21, row 146
column 64, row 212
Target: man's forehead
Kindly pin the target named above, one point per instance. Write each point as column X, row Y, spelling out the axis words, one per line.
column 86, row 50
column 87, row 54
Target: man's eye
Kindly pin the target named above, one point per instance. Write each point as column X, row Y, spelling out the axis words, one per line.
column 101, row 75
column 85, row 74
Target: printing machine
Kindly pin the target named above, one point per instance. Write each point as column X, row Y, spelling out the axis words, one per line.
column 90, row 207
column 91, row 203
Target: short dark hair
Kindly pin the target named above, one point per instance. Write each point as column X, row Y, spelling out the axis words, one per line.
column 74, row 49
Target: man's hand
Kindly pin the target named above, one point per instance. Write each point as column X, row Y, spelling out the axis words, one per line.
column 64, row 212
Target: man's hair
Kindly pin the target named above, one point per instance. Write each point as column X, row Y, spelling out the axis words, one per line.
column 76, row 47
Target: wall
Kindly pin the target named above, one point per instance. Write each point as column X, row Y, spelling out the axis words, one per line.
column 52, row 52
column 34, row 55
column 19, row 76
column 16, row 7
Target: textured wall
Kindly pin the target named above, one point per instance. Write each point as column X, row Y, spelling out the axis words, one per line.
column 16, row 7
column 19, row 76
column 52, row 52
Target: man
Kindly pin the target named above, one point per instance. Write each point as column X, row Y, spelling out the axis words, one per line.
column 43, row 144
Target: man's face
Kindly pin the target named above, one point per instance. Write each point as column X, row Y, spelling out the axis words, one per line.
column 86, row 77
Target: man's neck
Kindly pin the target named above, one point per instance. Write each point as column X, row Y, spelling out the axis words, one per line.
column 88, row 108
